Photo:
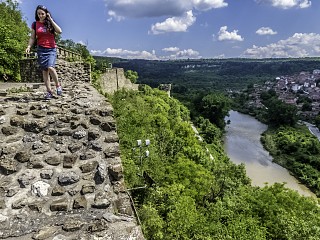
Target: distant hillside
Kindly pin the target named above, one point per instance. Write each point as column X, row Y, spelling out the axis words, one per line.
column 213, row 74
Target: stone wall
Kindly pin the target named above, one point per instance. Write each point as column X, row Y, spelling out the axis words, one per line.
column 114, row 79
column 166, row 88
column 61, row 175
column 71, row 71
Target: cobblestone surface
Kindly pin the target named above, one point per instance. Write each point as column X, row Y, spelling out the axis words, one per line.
column 60, row 168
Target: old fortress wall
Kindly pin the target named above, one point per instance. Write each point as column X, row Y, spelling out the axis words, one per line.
column 61, row 175
column 68, row 66
column 112, row 79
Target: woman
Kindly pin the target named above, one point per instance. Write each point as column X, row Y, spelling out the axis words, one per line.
column 44, row 30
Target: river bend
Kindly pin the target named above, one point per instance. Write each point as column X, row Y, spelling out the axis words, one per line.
column 242, row 145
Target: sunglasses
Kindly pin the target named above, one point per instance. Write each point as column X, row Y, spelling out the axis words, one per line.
column 41, row 7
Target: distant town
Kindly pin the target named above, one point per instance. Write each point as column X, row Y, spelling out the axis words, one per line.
column 290, row 88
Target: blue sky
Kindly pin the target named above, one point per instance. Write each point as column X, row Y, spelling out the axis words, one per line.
column 179, row 29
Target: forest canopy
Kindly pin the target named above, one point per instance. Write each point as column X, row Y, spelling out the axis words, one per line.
column 187, row 194
column 13, row 39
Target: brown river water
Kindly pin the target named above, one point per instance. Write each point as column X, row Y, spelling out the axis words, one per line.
column 242, row 145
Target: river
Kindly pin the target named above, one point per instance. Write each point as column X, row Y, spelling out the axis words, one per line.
column 242, row 145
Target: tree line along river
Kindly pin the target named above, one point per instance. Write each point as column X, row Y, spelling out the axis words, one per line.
column 242, row 145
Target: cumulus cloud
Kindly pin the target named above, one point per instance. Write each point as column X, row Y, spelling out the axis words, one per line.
column 183, row 54
column 224, row 35
column 174, row 53
column 171, row 49
column 286, row 4
column 265, row 31
column 204, row 5
column 120, row 9
column 113, row 15
column 174, row 24
column 299, row 45
column 122, row 53
column 221, row 56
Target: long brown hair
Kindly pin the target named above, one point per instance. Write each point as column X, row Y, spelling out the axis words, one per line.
column 46, row 23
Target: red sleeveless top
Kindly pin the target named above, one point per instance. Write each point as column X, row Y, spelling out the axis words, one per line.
column 44, row 37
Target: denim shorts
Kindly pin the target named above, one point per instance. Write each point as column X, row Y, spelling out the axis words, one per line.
column 46, row 57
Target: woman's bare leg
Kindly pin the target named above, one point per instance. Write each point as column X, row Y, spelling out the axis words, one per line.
column 46, row 79
column 54, row 75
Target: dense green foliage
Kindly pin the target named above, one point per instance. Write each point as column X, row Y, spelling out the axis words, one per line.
column 274, row 112
column 206, row 75
column 208, row 131
column 131, row 75
column 13, row 39
column 78, row 48
column 317, row 121
column 190, row 195
column 279, row 113
column 102, row 63
column 297, row 150
column 192, row 79
column 214, row 107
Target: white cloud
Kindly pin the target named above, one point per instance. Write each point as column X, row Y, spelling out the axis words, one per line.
column 119, row 9
column 224, row 35
column 204, row 5
column 113, row 15
column 299, row 45
column 122, row 53
column 171, row 49
column 286, row 4
column 174, row 24
column 265, row 31
column 183, row 54
column 180, row 54
column 176, row 53
column 305, row 4
column 221, row 56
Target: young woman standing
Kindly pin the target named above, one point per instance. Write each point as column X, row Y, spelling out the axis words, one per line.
column 44, row 30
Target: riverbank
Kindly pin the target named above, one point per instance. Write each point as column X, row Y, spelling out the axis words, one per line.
column 297, row 150
column 242, row 145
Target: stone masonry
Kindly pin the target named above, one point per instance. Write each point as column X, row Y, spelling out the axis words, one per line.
column 71, row 71
column 61, row 176
column 114, row 79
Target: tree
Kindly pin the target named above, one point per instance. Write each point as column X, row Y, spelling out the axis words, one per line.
column 215, row 107
column 208, row 131
column 194, row 196
column 280, row 113
column 317, row 121
column 306, row 107
column 268, row 94
column 182, row 219
column 304, row 99
column 131, row 75
column 79, row 48
column 152, row 222
column 102, row 63
column 13, row 39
